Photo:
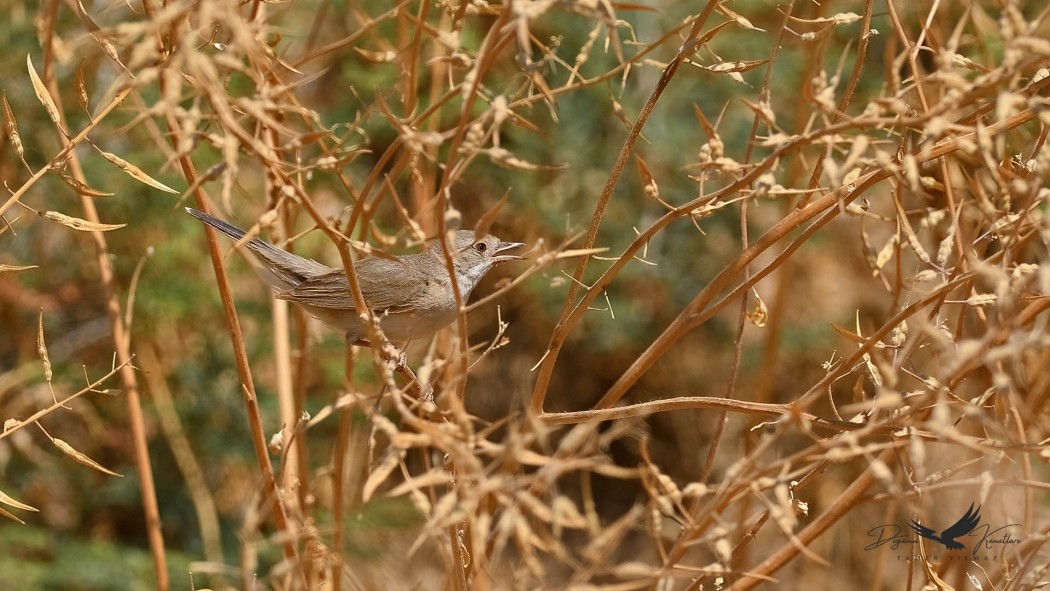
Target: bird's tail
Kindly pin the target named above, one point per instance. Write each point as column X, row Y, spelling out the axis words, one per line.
column 280, row 269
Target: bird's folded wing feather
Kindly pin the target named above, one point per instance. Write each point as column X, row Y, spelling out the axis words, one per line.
column 385, row 284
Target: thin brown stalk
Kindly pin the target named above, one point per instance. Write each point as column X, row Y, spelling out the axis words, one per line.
column 560, row 332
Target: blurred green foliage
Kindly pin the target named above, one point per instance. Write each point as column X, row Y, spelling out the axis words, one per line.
column 35, row 558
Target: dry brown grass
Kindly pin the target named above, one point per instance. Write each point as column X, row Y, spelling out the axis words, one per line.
column 877, row 178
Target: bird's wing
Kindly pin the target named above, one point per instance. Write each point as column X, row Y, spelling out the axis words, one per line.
column 965, row 524
column 385, row 284
column 923, row 530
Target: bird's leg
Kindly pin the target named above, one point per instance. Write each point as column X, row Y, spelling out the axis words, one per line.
column 389, row 351
column 397, row 355
column 393, row 353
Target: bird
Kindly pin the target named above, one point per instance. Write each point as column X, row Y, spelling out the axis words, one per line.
column 966, row 524
column 411, row 295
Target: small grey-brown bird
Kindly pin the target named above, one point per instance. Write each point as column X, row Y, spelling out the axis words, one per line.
column 411, row 295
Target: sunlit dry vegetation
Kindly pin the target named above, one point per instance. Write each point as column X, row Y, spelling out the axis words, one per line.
column 786, row 292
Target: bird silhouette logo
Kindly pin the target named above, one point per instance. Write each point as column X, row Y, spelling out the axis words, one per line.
column 966, row 524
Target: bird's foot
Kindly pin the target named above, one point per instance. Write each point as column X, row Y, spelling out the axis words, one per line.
column 426, row 393
column 396, row 360
column 395, row 356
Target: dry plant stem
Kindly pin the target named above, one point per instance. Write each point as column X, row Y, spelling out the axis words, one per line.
column 302, row 363
column 32, row 419
column 411, row 60
column 283, row 374
column 912, row 51
column 1026, row 464
column 486, row 58
column 918, row 489
column 423, row 177
column 561, row 329
column 427, row 185
column 845, row 502
column 731, row 381
column 377, row 172
column 884, row 550
column 975, row 482
column 236, row 336
column 251, row 402
column 121, row 343
column 730, row 491
column 47, row 44
column 364, row 28
column 923, row 154
column 774, row 411
column 300, row 436
column 738, row 550
column 121, row 346
column 734, row 368
column 339, row 495
column 771, row 334
column 463, row 565
column 286, row 399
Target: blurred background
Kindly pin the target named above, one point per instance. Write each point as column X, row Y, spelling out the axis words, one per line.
column 368, row 115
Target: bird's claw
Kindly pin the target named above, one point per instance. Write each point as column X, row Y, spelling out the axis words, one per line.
column 401, row 362
column 427, row 393
column 395, row 355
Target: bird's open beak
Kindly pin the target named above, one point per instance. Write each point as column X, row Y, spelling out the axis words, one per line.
column 503, row 246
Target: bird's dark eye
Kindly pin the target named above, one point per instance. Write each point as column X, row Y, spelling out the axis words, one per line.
column 481, row 247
